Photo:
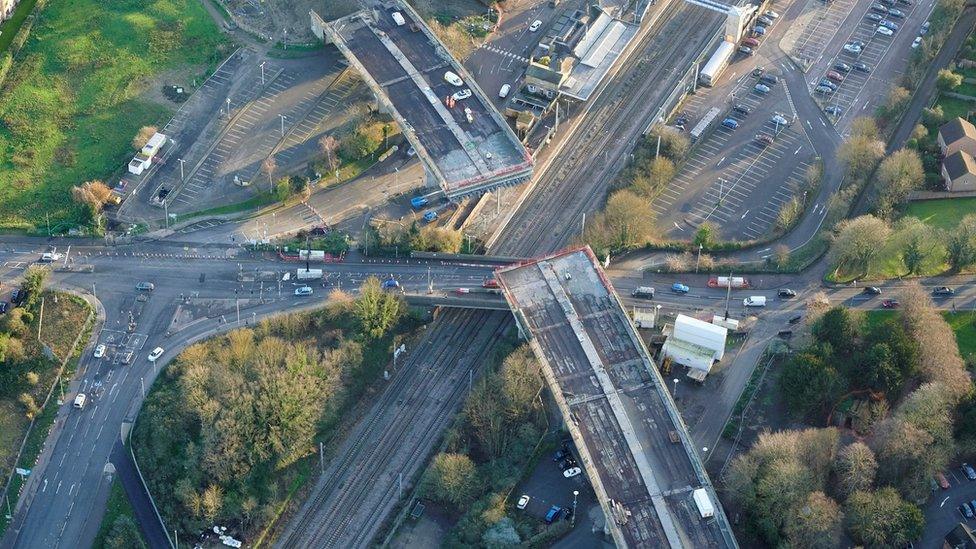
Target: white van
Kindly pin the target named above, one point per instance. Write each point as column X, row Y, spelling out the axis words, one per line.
column 80, row 400
column 398, row 18
column 503, row 93
column 453, row 79
column 754, row 301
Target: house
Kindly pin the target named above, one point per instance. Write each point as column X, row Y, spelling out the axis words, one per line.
column 694, row 343
column 7, row 9
column 957, row 135
column 959, row 172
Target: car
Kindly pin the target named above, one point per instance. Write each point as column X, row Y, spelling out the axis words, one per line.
column 769, row 79
column 833, row 110
column 852, row 48
column 764, row 140
column 746, row 50
column 560, row 454
column 786, row 293
column 941, row 479
column 751, row 42
column 17, row 296
column 943, row 290
column 463, row 94
column 503, row 93
column 761, row 89
column 842, row 67
column 890, row 304
column 411, row 151
column 884, row 31
column 969, row 471
column 523, row 501
column 80, row 399
column 453, row 79
column 771, row 14
column 567, row 463
column 155, row 354
column 835, row 76
column 49, row 257
column 679, row 288
column 906, row 2
column 863, row 67
column 99, row 351
column 874, row 17
column 966, row 510
column 779, row 120
column 430, row 217
column 827, row 83
column 304, row 290
column 730, row 123
column 924, row 29
column 390, row 284
column 880, row 8
column 889, row 25
column 572, row 472
column 145, row 286
column 871, row 290
column 766, row 21
column 896, row 13
column 553, row 513
column 917, row 42
column 742, row 109
column 823, row 89
column 535, row 25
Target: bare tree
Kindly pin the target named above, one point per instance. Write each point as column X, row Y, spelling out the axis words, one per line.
column 816, row 524
column 268, row 167
column 94, row 194
column 142, row 137
column 329, row 146
column 855, row 467
column 940, row 360
column 898, row 175
column 856, row 242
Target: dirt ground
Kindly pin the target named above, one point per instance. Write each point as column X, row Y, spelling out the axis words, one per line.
column 189, row 77
column 427, row 531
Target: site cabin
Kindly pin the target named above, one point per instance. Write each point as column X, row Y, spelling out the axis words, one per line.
column 704, row 503
column 143, row 159
column 719, row 60
column 309, row 274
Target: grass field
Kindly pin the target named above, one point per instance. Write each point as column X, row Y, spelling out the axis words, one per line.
column 8, row 29
column 964, row 325
column 944, row 214
column 72, row 103
column 118, row 505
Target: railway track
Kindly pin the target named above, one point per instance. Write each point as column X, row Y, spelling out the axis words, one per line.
column 549, row 217
column 427, row 383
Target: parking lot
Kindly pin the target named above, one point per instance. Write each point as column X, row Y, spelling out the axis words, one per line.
column 874, row 48
column 819, row 25
column 732, row 178
column 943, row 509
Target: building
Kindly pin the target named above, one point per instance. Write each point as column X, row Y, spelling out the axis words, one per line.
column 7, row 9
column 959, row 172
column 957, row 135
column 696, row 344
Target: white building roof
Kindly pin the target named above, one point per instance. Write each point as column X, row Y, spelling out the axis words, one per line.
column 700, row 333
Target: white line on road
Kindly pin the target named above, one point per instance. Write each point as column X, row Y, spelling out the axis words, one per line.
column 797, row 151
column 744, row 214
column 58, row 489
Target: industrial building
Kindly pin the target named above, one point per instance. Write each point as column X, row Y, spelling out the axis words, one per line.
column 636, row 450
column 695, row 344
column 466, row 146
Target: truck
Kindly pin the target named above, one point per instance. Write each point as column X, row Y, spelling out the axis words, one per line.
column 716, row 64
column 754, row 301
column 309, row 274
column 704, row 503
column 645, row 292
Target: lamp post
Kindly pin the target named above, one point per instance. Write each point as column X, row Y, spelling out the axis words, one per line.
column 675, row 392
column 575, row 495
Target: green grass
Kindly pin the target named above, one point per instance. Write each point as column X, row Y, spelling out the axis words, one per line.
column 943, row 214
column 117, row 505
column 8, row 29
column 876, row 317
column 964, row 326
column 262, row 199
column 966, row 89
column 72, row 102
column 953, row 107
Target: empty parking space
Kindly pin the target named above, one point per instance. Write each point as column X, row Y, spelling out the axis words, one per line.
column 821, row 26
column 739, row 179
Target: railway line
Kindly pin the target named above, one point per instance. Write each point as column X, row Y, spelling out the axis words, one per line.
column 361, row 485
column 548, row 218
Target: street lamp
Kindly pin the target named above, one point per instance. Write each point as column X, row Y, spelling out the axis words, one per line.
column 262, row 72
column 575, row 495
column 282, row 124
column 181, row 161
column 675, row 392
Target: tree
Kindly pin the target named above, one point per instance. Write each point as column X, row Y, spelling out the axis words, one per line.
column 16, row 322
column 142, row 136
column 212, row 501
column 93, row 194
column 810, row 383
column 647, row 183
column 452, row 479
column 883, row 519
column 898, row 175
column 781, row 254
column 674, row 144
column 329, row 146
column 705, row 235
column 948, row 80
column 124, row 534
column 940, row 360
column 855, row 468
column 11, row 350
column 268, row 167
column 815, row 524
column 838, row 328
column 865, row 126
column 376, row 309
column 626, row 222
column 920, row 133
column 922, row 244
column 282, row 189
column 895, row 102
column 502, row 534
column 789, row 213
column 859, row 154
column 30, row 406
column 35, row 279
column 961, row 244
column 856, row 242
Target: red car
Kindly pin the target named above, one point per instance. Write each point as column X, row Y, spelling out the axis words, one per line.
column 751, row 42
column 943, row 483
column 890, row 304
column 835, row 76
column 490, row 283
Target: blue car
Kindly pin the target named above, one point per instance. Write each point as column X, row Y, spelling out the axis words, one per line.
column 730, row 123
column 390, row 284
column 761, row 89
column 430, row 216
column 554, row 513
column 679, row 288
